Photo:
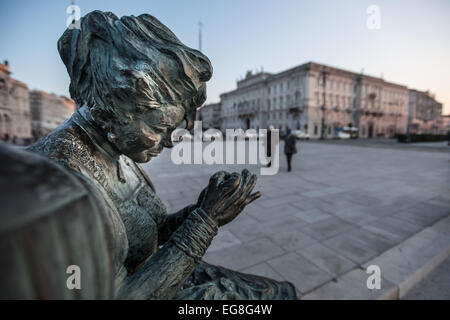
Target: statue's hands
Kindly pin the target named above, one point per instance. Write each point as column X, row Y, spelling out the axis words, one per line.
column 227, row 195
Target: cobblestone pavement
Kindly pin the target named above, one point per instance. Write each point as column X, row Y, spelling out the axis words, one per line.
column 341, row 206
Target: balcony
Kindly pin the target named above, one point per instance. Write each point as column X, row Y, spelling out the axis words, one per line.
column 296, row 111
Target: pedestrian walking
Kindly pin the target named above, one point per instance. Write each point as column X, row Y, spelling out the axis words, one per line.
column 269, row 144
column 290, row 147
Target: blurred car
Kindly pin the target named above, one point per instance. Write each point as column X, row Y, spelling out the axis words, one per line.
column 301, row 135
column 345, row 133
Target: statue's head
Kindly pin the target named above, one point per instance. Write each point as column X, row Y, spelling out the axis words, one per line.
column 137, row 79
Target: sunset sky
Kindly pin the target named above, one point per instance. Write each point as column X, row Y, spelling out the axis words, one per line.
column 412, row 46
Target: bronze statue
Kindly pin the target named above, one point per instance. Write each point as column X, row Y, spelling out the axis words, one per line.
column 92, row 206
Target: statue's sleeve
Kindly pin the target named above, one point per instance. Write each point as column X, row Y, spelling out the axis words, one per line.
column 172, row 222
column 164, row 274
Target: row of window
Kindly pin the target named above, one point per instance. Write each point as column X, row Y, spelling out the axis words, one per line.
column 351, row 86
column 338, row 85
column 283, row 86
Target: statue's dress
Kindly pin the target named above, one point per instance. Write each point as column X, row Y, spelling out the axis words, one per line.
column 126, row 225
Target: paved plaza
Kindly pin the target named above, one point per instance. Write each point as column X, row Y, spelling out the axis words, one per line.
column 343, row 207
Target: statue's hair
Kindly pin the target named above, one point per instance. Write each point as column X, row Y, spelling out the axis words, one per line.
column 113, row 61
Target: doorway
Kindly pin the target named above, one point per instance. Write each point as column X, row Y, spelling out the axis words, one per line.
column 370, row 133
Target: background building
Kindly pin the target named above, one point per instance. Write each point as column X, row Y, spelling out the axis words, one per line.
column 210, row 115
column 445, row 124
column 15, row 120
column 424, row 113
column 48, row 111
column 317, row 99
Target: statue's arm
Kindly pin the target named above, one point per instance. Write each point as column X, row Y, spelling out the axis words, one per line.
column 164, row 274
column 172, row 222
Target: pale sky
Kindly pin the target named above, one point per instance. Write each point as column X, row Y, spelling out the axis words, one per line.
column 412, row 46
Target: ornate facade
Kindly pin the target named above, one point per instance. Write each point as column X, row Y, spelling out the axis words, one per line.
column 314, row 97
column 49, row 111
column 28, row 115
column 15, row 123
column 210, row 115
column 424, row 113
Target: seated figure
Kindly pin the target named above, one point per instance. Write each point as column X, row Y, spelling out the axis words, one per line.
column 134, row 83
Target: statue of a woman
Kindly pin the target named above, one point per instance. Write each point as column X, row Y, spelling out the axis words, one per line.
column 135, row 83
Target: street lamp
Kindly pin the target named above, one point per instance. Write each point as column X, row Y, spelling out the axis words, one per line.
column 323, row 74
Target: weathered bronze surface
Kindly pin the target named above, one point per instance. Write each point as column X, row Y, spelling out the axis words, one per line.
column 78, row 197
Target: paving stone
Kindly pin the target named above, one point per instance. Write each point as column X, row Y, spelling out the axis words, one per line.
column 364, row 199
column 332, row 204
column 312, row 215
column 442, row 226
column 381, row 211
column 327, row 259
column 300, row 271
column 282, row 224
column 372, row 240
column 242, row 256
column 327, row 228
column 392, row 228
column 312, row 203
column 263, row 270
column 223, row 239
column 245, row 228
column 440, row 201
column 249, row 228
column 423, row 214
column 352, row 286
column 315, row 194
column 400, row 202
column 277, row 202
column 346, row 245
column 355, row 214
column 264, row 214
column 291, row 240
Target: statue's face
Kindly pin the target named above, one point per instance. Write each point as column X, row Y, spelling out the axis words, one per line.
column 136, row 78
column 145, row 136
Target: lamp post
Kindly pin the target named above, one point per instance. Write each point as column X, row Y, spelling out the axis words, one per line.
column 323, row 74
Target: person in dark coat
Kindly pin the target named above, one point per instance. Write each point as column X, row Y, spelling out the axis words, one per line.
column 269, row 144
column 290, row 147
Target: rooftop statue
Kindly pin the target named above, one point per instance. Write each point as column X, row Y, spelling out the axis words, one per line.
column 78, row 196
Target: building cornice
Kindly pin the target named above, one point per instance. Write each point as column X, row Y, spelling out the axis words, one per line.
column 314, row 67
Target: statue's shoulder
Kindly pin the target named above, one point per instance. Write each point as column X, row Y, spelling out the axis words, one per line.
column 32, row 186
column 52, row 219
column 64, row 145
